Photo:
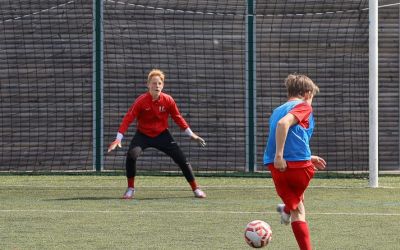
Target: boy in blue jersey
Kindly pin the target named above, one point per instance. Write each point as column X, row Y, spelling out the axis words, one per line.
column 288, row 155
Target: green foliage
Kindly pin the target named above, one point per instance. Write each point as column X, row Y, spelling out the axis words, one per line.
column 86, row 212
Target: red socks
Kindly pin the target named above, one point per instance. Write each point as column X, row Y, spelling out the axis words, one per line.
column 131, row 182
column 193, row 185
column 302, row 234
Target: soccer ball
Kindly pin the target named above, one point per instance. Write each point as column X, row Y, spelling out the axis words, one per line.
column 258, row 234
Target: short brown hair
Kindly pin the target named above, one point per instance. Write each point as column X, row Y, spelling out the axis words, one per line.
column 299, row 85
column 156, row 72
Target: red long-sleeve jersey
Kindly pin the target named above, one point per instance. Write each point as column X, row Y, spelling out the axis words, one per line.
column 152, row 116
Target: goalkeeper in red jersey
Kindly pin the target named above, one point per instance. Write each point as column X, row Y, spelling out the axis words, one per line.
column 288, row 155
column 151, row 111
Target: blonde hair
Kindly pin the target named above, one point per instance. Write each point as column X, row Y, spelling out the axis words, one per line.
column 299, row 85
column 156, row 72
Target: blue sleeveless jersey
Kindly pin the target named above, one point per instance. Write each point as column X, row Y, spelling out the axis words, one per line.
column 297, row 145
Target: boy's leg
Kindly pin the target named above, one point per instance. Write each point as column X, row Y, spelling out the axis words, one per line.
column 290, row 186
column 167, row 144
column 284, row 192
column 300, row 227
column 136, row 148
column 301, row 178
column 130, row 164
column 302, row 234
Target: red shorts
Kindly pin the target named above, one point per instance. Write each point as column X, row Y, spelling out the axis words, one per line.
column 291, row 184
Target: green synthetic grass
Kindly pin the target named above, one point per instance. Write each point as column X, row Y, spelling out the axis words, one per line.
column 85, row 212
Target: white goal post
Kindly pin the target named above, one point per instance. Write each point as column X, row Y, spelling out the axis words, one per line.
column 373, row 94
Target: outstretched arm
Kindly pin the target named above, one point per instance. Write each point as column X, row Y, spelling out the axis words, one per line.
column 126, row 121
column 180, row 121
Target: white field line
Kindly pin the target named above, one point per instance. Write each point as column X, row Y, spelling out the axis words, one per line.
column 184, row 187
column 178, row 212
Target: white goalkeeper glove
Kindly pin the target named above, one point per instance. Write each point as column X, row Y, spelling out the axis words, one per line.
column 116, row 142
column 200, row 141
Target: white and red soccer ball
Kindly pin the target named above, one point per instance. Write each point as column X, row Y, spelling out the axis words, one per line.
column 258, row 234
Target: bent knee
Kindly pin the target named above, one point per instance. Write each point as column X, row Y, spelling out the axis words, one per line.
column 135, row 152
column 298, row 214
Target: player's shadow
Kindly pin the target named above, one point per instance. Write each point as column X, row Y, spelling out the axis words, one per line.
column 164, row 198
column 119, row 198
column 83, row 198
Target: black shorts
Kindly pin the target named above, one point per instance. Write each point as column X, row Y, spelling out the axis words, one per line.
column 164, row 141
